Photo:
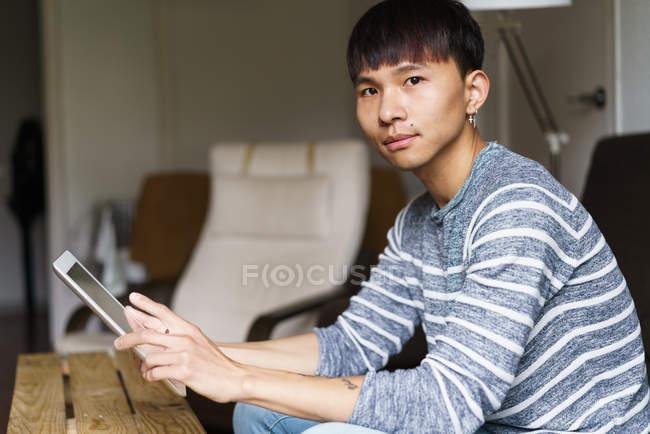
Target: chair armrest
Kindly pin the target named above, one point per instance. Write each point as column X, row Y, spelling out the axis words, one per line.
column 264, row 324
column 160, row 291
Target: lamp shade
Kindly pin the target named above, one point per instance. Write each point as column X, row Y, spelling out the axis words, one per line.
column 484, row 5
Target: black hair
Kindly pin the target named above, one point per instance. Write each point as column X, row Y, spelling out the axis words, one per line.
column 394, row 31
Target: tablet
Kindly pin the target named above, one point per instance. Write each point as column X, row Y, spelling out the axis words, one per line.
column 99, row 300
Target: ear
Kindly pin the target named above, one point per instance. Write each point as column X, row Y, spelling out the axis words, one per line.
column 477, row 87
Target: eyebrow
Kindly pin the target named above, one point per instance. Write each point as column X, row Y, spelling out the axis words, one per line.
column 399, row 70
column 361, row 80
column 408, row 67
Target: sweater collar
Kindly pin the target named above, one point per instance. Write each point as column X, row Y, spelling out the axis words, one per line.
column 438, row 214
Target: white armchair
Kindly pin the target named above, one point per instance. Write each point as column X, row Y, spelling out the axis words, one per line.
column 285, row 222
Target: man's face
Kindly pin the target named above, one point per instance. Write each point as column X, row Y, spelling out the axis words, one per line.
column 411, row 111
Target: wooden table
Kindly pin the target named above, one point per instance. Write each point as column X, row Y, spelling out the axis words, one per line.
column 92, row 392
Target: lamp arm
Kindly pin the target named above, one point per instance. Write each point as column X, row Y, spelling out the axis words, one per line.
column 541, row 118
column 538, row 88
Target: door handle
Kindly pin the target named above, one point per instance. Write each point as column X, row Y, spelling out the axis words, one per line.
column 596, row 98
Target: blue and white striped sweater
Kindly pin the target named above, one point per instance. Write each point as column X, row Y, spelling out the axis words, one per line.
column 529, row 322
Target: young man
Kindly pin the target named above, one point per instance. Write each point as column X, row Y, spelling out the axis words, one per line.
column 528, row 319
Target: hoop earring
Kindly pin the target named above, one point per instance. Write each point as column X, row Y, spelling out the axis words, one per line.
column 472, row 118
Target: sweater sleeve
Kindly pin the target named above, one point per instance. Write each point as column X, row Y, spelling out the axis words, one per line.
column 515, row 253
column 379, row 320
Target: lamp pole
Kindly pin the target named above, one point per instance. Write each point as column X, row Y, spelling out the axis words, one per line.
column 556, row 138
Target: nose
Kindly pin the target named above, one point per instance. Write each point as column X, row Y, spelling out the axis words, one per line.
column 391, row 107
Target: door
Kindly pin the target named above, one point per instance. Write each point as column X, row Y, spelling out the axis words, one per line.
column 571, row 50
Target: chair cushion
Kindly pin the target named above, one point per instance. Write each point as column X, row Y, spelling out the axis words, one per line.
column 218, row 275
column 272, row 206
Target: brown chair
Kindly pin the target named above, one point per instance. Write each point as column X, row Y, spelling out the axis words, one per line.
column 387, row 198
column 170, row 211
column 616, row 195
column 168, row 220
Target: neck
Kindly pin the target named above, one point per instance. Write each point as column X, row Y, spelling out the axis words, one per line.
column 445, row 174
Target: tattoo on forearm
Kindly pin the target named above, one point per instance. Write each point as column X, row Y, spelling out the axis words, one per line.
column 349, row 384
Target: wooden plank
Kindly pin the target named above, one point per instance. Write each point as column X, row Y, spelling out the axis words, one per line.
column 158, row 408
column 37, row 404
column 97, row 394
column 70, row 426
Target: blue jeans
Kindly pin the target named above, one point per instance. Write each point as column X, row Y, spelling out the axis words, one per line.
column 250, row 419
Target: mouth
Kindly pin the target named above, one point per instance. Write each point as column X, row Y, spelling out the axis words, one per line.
column 399, row 141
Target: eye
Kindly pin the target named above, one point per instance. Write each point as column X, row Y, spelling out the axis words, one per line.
column 412, row 81
column 369, row 91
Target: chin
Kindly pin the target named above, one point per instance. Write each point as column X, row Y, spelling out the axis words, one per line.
column 404, row 162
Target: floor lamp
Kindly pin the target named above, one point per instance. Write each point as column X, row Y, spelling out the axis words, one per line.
column 509, row 34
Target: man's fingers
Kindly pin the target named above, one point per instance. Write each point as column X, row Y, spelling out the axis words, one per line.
column 145, row 348
column 162, row 358
column 132, row 319
column 149, row 337
column 137, row 318
column 162, row 372
column 158, row 310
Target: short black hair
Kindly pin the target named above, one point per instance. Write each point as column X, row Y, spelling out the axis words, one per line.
column 395, row 31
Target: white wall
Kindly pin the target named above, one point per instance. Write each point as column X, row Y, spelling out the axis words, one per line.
column 251, row 70
column 103, row 118
column 633, row 71
column 109, row 100
column 20, row 90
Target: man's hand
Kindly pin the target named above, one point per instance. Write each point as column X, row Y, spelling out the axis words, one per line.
column 138, row 321
column 183, row 352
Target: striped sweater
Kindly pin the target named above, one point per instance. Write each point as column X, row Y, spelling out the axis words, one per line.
column 528, row 319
